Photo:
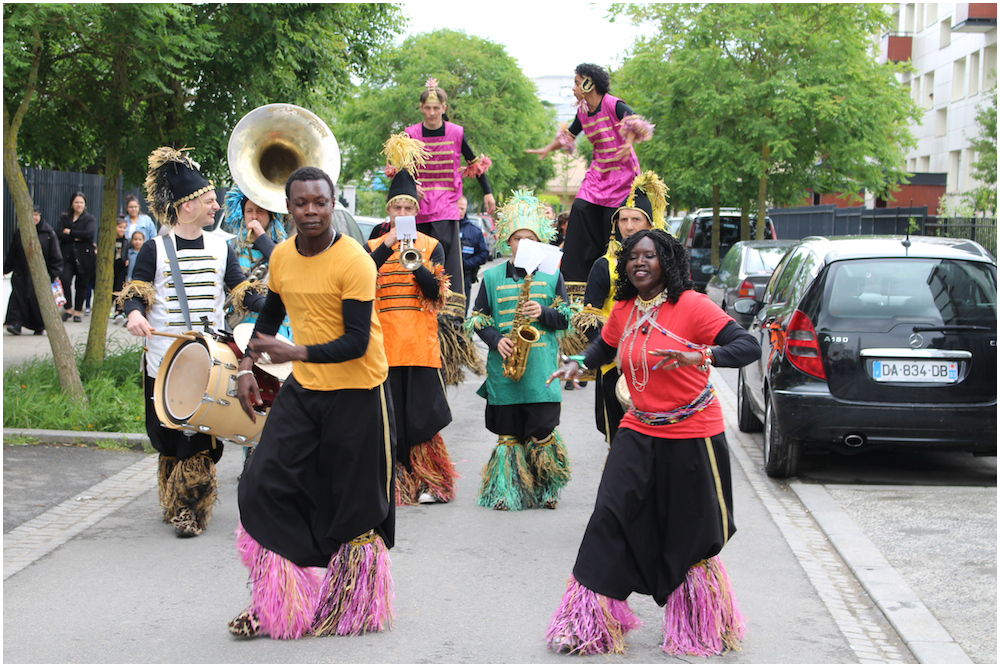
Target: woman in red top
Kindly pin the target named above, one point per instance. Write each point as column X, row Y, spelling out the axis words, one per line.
column 664, row 506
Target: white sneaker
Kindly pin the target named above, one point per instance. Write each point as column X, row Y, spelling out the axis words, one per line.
column 426, row 498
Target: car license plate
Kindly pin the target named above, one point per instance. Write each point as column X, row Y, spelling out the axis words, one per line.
column 915, row 370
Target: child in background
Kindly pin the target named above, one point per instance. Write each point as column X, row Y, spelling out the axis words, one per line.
column 138, row 238
column 120, row 264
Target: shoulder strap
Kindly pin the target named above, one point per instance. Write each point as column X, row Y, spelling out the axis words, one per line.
column 175, row 269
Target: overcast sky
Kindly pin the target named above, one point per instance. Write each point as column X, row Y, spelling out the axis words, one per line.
column 545, row 37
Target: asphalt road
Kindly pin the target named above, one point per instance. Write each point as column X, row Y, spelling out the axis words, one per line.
column 91, row 575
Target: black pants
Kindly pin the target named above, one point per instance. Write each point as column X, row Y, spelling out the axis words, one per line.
column 587, row 235
column 446, row 233
column 76, row 296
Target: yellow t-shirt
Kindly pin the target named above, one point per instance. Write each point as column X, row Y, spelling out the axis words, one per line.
column 313, row 289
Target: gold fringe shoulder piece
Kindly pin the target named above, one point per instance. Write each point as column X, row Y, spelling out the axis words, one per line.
column 138, row 289
column 239, row 294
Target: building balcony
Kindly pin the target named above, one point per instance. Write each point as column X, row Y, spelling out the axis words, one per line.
column 975, row 17
column 896, row 47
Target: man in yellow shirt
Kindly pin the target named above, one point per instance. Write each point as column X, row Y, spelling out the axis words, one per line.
column 319, row 489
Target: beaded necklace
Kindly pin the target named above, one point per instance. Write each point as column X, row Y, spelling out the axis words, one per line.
column 639, row 320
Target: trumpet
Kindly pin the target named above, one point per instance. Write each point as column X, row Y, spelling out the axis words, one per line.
column 410, row 258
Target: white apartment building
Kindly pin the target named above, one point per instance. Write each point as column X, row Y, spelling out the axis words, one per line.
column 953, row 49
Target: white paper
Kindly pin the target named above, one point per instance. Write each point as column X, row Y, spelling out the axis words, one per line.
column 529, row 255
column 406, row 227
column 553, row 258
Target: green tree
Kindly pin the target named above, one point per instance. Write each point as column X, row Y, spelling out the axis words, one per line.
column 782, row 97
column 487, row 94
column 125, row 78
column 984, row 169
column 26, row 33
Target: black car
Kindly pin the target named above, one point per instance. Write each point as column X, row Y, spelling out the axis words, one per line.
column 695, row 233
column 744, row 272
column 873, row 342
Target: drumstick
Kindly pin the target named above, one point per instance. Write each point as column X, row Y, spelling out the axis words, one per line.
column 173, row 335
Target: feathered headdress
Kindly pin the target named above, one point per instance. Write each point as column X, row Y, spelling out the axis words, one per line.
column 432, row 96
column 404, row 155
column 173, row 178
column 523, row 211
column 233, row 222
column 647, row 194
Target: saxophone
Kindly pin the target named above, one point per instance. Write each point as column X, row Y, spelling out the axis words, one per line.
column 522, row 335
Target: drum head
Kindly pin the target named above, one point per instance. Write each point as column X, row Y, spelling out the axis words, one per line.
column 242, row 333
column 186, row 381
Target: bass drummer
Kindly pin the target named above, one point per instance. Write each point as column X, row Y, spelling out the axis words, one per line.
column 183, row 201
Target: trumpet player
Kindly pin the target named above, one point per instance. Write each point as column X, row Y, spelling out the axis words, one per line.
column 529, row 465
column 411, row 288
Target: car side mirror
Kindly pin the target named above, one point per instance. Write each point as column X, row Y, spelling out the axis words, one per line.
column 745, row 306
column 708, row 269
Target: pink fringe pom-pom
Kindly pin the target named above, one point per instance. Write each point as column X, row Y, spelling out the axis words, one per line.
column 587, row 622
column 702, row 616
column 283, row 595
column 477, row 167
column 641, row 128
column 357, row 592
column 567, row 142
column 391, row 171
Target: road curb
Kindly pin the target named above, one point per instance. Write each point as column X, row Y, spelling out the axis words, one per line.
column 134, row 441
column 926, row 638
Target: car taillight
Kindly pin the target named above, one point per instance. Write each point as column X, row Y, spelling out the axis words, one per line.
column 746, row 289
column 802, row 346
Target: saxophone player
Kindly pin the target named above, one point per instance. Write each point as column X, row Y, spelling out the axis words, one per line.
column 529, row 465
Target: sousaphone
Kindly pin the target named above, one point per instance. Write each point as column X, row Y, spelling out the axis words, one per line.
column 271, row 142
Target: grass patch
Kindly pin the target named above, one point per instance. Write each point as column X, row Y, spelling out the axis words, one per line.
column 19, row 440
column 33, row 398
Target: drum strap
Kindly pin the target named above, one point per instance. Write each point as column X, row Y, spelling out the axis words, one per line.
column 175, row 269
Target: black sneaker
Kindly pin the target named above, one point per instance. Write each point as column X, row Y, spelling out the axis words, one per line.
column 14, row 329
column 66, row 315
column 39, row 332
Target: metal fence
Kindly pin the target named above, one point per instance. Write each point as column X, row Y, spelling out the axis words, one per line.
column 828, row 220
column 51, row 192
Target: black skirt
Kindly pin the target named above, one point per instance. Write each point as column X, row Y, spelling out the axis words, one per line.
column 420, row 406
column 322, row 473
column 662, row 506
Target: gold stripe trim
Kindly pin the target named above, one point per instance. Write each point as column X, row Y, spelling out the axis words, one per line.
column 388, row 308
column 718, row 489
column 386, row 445
column 604, row 171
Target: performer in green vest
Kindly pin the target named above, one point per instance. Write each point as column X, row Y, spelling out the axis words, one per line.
column 529, row 465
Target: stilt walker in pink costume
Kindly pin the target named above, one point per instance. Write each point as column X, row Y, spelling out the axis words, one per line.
column 612, row 129
column 664, row 508
column 439, row 187
column 319, row 489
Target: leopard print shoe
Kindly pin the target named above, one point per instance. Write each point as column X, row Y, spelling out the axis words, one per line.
column 184, row 523
column 245, row 626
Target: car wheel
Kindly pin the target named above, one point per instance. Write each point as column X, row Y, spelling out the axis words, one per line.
column 781, row 454
column 746, row 419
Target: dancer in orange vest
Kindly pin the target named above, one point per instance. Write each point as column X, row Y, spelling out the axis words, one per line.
column 407, row 301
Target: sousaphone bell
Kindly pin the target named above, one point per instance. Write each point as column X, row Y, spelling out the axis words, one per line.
column 271, row 142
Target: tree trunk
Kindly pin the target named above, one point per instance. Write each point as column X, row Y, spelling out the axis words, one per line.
column 745, row 221
column 765, row 159
column 62, row 348
column 104, row 281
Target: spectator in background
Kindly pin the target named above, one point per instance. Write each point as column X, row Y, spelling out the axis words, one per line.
column 561, row 223
column 121, row 267
column 135, row 245
column 137, row 221
column 22, row 309
column 475, row 252
column 76, row 231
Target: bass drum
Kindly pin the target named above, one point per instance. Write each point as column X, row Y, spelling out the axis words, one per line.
column 195, row 390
